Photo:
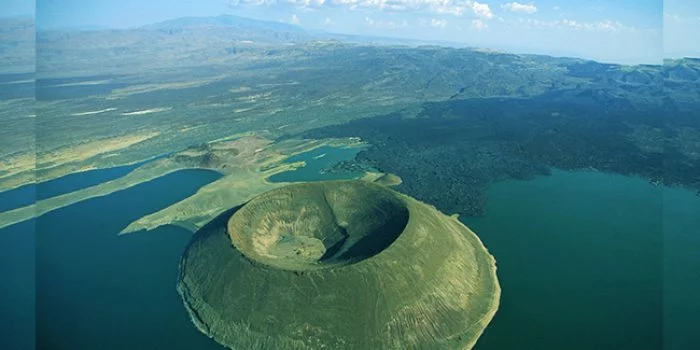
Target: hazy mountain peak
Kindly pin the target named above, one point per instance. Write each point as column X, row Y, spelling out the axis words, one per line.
column 224, row 21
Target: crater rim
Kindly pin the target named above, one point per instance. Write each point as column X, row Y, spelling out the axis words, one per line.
column 312, row 226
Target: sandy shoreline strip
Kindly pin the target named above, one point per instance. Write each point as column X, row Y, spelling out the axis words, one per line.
column 148, row 111
column 94, row 112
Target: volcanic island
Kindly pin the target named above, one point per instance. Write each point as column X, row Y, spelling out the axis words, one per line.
column 345, row 264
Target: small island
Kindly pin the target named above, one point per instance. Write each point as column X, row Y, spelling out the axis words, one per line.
column 345, row 264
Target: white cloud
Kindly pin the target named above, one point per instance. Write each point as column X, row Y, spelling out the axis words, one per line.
column 674, row 17
column 605, row 25
column 452, row 7
column 438, row 23
column 519, row 7
column 380, row 24
column 679, row 34
column 482, row 10
column 478, row 25
column 295, row 19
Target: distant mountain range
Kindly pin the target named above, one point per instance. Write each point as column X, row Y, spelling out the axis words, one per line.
column 198, row 41
column 17, row 48
column 229, row 21
column 293, row 32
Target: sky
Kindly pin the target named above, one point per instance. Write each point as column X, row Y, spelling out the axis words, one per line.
column 682, row 28
column 622, row 31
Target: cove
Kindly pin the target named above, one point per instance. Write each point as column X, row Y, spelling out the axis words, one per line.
column 84, row 179
column 104, row 291
column 316, row 161
column 27, row 194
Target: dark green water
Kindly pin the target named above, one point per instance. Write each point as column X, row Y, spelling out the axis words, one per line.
column 681, row 269
column 103, row 291
column 316, row 161
column 581, row 261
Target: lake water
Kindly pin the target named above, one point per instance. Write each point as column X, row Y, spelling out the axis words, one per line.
column 317, row 160
column 18, row 197
column 100, row 290
column 80, row 180
column 581, row 258
column 681, row 227
column 17, row 85
column 25, row 195
column 17, row 286
column 84, row 179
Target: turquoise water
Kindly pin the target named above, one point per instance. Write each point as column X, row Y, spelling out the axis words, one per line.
column 316, row 161
column 104, row 291
column 581, row 260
